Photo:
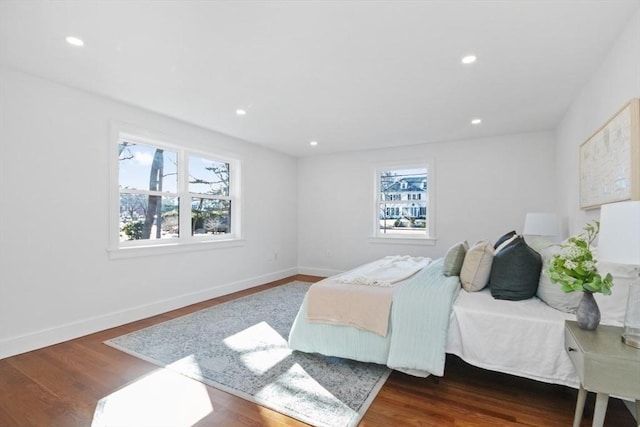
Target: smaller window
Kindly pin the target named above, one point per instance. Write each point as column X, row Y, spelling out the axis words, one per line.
column 402, row 203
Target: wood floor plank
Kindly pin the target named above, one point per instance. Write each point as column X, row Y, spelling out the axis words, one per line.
column 61, row 385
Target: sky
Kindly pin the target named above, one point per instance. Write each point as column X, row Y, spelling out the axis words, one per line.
column 135, row 168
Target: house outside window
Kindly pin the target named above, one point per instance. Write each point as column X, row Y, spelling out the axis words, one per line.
column 170, row 195
column 402, row 202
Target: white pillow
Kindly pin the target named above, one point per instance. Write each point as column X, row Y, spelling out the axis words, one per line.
column 552, row 293
column 612, row 307
column 476, row 267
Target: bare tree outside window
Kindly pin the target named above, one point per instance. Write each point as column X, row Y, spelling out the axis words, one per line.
column 210, row 201
column 150, row 196
column 148, row 190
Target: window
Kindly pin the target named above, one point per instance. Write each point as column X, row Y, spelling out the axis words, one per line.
column 210, row 199
column 148, row 192
column 402, row 203
column 169, row 195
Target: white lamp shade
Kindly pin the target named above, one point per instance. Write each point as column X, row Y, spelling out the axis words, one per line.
column 619, row 240
column 541, row 224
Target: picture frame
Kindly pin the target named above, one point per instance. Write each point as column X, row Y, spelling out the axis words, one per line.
column 610, row 160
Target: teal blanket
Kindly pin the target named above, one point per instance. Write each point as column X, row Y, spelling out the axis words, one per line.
column 420, row 320
column 417, row 331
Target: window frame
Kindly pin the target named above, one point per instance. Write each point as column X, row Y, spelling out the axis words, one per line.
column 186, row 240
column 429, row 236
column 233, row 164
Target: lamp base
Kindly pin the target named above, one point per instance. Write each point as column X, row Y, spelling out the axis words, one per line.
column 631, row 340
column 631, row 331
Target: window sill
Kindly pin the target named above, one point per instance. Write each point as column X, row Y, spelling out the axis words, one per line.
column 173, row 248
column 420, row 241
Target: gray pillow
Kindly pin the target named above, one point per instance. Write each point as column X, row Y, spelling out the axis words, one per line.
column 454, row 258
column 552, row 293
column 515, row 272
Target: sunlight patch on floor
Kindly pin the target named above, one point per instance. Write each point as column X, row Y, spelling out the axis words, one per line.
column 162, row 398
column 260, row 346
column 303, row 389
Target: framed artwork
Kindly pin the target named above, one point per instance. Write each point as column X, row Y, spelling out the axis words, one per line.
column 610, row 160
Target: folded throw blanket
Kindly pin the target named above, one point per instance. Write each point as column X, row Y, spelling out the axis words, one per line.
column 342, row 300
column 386, row 271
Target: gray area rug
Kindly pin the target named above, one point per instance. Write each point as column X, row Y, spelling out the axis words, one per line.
column 241, row 347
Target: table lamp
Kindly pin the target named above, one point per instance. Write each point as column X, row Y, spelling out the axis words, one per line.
column 542, row 227
column 619, row 243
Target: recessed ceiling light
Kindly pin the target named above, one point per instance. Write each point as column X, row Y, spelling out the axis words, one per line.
column 469, row 59
column 241, row 112
column 74, row 41
column 476, row 121
column 313, row 143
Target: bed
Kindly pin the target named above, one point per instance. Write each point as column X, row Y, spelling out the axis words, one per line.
column 523, row 338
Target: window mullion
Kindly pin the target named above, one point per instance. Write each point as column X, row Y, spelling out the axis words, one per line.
column 147, row 192
column 184, row 197
column 208, row 196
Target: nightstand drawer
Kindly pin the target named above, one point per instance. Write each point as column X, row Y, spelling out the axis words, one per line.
column 575, row 352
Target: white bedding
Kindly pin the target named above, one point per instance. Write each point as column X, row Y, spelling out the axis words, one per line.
column 524, row 338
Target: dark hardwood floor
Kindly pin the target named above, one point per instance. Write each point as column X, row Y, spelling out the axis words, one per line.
column 62, row 385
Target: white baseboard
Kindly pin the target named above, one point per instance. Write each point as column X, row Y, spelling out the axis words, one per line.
column 321, row 272
column 57, row 334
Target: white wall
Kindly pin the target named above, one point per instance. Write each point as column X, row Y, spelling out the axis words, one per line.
column 56, row 279
column 484, row 188
column 616, row 81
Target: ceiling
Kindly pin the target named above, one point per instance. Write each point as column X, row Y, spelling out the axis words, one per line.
column 350, row 75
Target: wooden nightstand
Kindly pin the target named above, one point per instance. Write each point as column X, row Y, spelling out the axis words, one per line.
column 605, row 366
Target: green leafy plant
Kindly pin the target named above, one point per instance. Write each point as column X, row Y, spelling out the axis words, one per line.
column 133, row 230
column 574, row 267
